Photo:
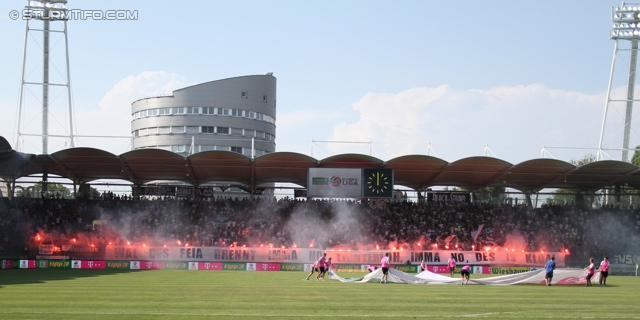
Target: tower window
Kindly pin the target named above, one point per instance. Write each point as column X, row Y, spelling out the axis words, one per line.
column 236, row 149
column 244, row 94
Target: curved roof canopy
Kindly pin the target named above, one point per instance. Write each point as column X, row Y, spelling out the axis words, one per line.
column 418, row 172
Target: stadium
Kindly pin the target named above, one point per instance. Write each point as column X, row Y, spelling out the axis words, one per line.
column 202, row 233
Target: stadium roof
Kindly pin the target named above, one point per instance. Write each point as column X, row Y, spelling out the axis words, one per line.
column 418, row 172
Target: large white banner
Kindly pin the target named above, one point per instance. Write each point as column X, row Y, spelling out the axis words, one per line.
column 334, row 183
column 306, row 255
column 624, row 263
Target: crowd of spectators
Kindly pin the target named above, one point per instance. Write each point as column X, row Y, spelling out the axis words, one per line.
column 319, row 223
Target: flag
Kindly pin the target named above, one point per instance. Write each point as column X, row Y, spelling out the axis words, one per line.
column 476, row 233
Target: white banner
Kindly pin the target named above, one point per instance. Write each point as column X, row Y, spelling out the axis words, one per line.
column 306, row 255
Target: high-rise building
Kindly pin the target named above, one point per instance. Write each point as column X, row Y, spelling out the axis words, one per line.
column 235, row 114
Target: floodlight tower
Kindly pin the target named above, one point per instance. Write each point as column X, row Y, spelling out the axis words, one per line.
column 49, row 12
column 626, row 27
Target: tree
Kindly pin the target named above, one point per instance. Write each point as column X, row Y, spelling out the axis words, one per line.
column 636, row 157
column 566, row 196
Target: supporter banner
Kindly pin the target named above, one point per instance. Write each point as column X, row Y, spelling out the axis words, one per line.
column 154, row 191
column 623, row 264
column 46, row 249
column 448, row 197
column 308, row 255
column 198, row 192
column 118, row 264
column 85, row 252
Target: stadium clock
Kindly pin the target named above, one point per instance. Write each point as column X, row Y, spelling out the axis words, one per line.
column 377, row 183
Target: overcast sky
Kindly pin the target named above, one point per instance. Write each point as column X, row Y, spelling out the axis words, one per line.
column 449, row 79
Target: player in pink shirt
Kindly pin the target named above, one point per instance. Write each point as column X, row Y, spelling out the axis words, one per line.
column 464, row 273
column 452, row 266
column 314, row 268
column 321, row 264
column 327, row 265
column 422, row 267
column 591, row 268
column 604, row 271
column 384, row 264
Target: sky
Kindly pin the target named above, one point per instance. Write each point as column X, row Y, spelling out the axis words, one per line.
column 516, row 80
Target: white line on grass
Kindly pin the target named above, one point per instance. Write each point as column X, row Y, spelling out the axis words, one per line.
column 479, row 315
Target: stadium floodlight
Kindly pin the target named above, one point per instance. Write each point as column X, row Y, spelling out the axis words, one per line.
column 626, row 22
column 626, row 26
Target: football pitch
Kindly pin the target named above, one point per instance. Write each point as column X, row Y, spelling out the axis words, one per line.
column 165, row 294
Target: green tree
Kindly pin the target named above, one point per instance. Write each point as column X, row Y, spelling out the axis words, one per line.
column 566, row 196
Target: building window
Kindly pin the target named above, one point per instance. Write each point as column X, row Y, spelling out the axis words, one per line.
column 153, row 130
column 206, row 129
column 164, row 130
column 236, row 149
column 175, row 148
column 208, row 110
column 236, row 131
column 192, row 129
column 236, row 112
column 264, row 98
column 165, row 111
column 244, row 94
column 143, row 132
column 222, row 130
column 153, row 112
column 251, row 114
column 177, row 129
column 193, row 110
column 178, row 110
column 135, row 133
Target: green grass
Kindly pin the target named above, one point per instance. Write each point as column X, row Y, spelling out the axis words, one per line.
column 123, row 294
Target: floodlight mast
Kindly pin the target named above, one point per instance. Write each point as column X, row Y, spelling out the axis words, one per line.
column 626, row 26
column 47, row 11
